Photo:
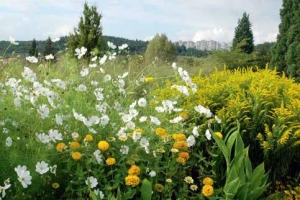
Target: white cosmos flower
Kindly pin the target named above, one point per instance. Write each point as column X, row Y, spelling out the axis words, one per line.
column 44, row 111
column 123, row 46
column 174, row 65
column 81, row 88
column 32, row 59
column 103, row 59
column 124, row 149
column 59, row 119
column 94, row 59
column 93, row 120
column 13, row 41
column 152, row 173
column 91, row 181
column 208, row 134
column 80, row 52
column 202, row 110
column 84, row 72
column 191, row 141
column 8, row 141
column 112, row 56
column 142, row 102
column 144, row 142
column 143, row 119
column 55, row 135
column 195, row 131
column 49, row 57
column 23, row 175
column 43, row 137
column 104, row 119
column 126, row 117
column 176, row 120
column 111, row 45
column 98, row 156
column 155, row 120
column 93, row 65
column 42, row 167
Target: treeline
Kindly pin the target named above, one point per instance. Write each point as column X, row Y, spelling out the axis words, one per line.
column 135, row 47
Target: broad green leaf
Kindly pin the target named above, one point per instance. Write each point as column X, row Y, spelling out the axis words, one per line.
column 146, row 189
column 222, row 146
column 231, row 188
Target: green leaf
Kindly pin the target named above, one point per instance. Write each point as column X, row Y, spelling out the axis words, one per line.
column 146, row 189
column 257, row 176
column 222, row 147
column 231, row 188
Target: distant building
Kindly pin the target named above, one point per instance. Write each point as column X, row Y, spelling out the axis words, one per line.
column 203, row 45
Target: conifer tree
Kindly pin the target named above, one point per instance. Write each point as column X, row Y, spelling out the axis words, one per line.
column 286, row 51
column 48, row 47
column 33, row 49
column 243, row 33
column 160, row 49
column 88, row 34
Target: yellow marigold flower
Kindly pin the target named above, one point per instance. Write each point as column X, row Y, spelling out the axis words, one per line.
column 110, row 161
column 103, row 145
column 208, row 181
column 180, row 145
column 74, row 145
column 184, row 155
column 55, row 185
column 161, row 131
column 61, row 146
column 219, row 134
column 181, row 160
column 134, row 170
column 76, row 155
column 207, row 190
column 132, row 180
column 88, row 138
column 178, row 136
column 159, row 187
column 184, row 115
column 149, row 79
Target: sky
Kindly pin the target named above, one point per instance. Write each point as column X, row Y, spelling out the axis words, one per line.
column 187, row 20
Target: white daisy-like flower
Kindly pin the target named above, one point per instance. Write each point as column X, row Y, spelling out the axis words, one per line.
column 91, row 182
column 189, row 180
column 103, row 59
column 208, row 134
column 42, row 167
column 49, row 57
column 23, row 175
column 152, row 173
column 8, row 141
column 124, row 149
column 195, row 131
column 44, row 111
column 84, row 72
column 191, row 141
column 32, row 59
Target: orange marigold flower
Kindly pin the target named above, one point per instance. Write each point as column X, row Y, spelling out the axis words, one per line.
column 178, row 136
column 132, row 180
column 207, row 190
column 110, row 161
column 181, row 160
column 184, row 155
column 180, row 145
column 76, row 155
column 74, row 145
column 103, row 145
column 159, row 187
column 88, row 138
column 134, row 170
column 61, row 146
column 208, row 181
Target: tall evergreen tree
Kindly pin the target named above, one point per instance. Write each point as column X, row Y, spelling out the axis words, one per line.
column 243, row 33
column 88, row 33
column 48, row 47
column 33, row 49
column 286, row 51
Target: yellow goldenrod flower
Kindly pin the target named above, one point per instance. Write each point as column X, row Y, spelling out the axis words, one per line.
column 132, row 180
column 88, row 138
column 134, row 170
column 180, row 145
column 207, row 190
column 55, row 185
column 61, row 146
column 159, row 187
column 208, row 181
column 178, row 136
column 110, row 161
column 74, row 145
column 219, row 134
column 260, row 137
column 103, row 145
column 76, row 155
column 149, row 79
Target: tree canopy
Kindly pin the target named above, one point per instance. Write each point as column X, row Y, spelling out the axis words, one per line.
column 243, row 32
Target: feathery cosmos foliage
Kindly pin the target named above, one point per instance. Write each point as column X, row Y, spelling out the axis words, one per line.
column 88, row 33
column 286, row 52
column 243, row 36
